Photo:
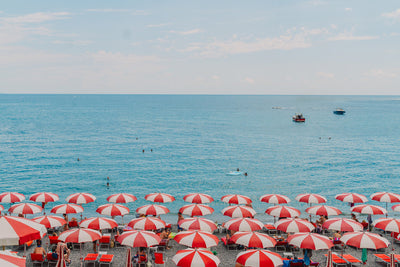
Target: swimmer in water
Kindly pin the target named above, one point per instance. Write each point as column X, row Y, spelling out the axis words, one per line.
column 237, row 169
column 143, row 150
column 151, row 150
column 245, row 174
column 78, row 159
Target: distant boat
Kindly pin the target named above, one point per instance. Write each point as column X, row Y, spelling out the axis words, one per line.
column 298, row 117
column 339, row 111
column 234, row 173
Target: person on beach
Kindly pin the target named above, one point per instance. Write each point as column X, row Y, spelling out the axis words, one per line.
column 39, row 249
column 353, row 216
column 66, row 219
column 62, row 248
column 336, row 236
column 180, row 218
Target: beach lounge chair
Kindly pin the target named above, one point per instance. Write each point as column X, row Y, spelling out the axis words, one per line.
column 353, row 261
column 337, row 245
column 281, row 245
column 159, row 259
column 72, row 224
column 163, row 245
column 106, row 260
column 337, row 261
column 229, row 244
column 90, row 259
column 382, row 258
column 50, row 260
column 37, row 259
column 104, row 242
column 53, row 240
column 270, row 229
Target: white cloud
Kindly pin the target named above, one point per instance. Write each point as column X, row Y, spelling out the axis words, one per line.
column 37, row 17
column 348, row 36
column 333, row 26
column 74, row 42
column 348, row 9
column 248, row 80
column 157, row 25
column 393, row 15
column 108, row 10
column 379, row 73
column 194, row 31
column 326, row 75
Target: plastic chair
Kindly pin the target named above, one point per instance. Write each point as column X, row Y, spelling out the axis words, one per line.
column 106, row 260
column 159, row 258
column 104, row 242
column 51, row 260
column 90, row 258
column 37, row 259
column 53, row 240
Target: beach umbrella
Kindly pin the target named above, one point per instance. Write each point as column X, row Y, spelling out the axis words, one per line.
column 121, row 198
column 159, row 197
column 368, row 209
column 351, row 198
column 256, row 258
column 128, row 258
column 195, row 257
column 25, row 208
column 387, row 224
column 386, row 197
column 238, row 212
column 393, row 260
column 236, row 199
column 323, row 210
column 329, row 261
column 1, row 208
column 67, row 209
column 11, row 197
column 244, row 224
column 152, row 210
column 275, row 199
column 196, row 210
column 61, row 261
column 343, row 225
column 98, row 223
column 147, row 223
column 79, row 235
column 253, row 239
column 198, row 224
column 294, row 225
column 139, row 238
column 364, row 240
column 80, row 198
column 198, row 198
column 44, row 197
column 17, row 231
column 396, row 207
column 283, row 211
column 112, row 210
column 310, row 241
column 50, row 221
column 8, row 259
column 311, row 198
column 196, row 239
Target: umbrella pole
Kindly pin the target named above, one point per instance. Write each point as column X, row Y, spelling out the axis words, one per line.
column 25, row 250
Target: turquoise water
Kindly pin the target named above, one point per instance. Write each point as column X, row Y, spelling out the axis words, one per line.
column 196, row 140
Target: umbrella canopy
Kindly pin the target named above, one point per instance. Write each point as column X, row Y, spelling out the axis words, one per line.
column 256, row 258
column 311, row 198
column 343, row 225
column 310, row 241
column 1, row 208
column 121, row 198
column 238, row 211
column 67, row 209
column 129, row 262
column 396, row 207
column 80, row 198
column 147, row 223
column 236, row 199
column 364, row 240
column 275, row 199
column 294, row 225
column 388, row 224
column 244, row 224
column 50, row 221
column 351, row 198
column 25, row 208
column 11, row 197
column 16, row 231
column 195, row 258
column 253, row 239
column 323, row 210
column 79, row 235
column 159, row 197
column 152, row 210
column 283, row 211
column 198, row 198
column 44, row 197
column 9, row 260
column 139, row 239
column 329, row 261
column 196, row 239
column 98, row 223
column 196, row 210
column 368, row 209
column 200, row 224
column 386, row 197
column 112, row 210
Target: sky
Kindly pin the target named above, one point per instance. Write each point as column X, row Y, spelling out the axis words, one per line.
column 280, row 47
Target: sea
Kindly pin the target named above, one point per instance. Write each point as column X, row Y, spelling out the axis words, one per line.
column 180, row 144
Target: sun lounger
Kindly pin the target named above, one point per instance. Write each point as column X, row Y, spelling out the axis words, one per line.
column 382, row 258
column 270, row 229
column 106, row 260
column 353, row 261
column 228, row 244
column 337, row 261
column 90, row 258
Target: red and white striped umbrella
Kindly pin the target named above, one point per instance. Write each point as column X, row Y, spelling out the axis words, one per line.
column 159, row 197
column 239, row 212
column 343, row 225
column 386, row 197
column 196, row 239
column 50, row 221
column 329, row 260
column 152, row 210
column 323, row 210
column 200, row 224
column 253, row 239
column 311, row 198
column 79, row 235
column 121, row 198
column 8, row 259
column 244, row 224
column 351, row 198
column 61, row 261
column 1, row 208
column 44, row 197
column 294, row 225
column 256, row 258
column 11, row 197
column 67, row 208
column 196, row 210
column 193, row 257
column 80, row 198
column 113, row 210
column 310, row 241
column 98, row 223
column 236, row 199
column 147, row 223
column 139, row 239
column 364, row 240
column 128, row 259
column 16, row 231
column 368, row 209
column 396, row 207
column 275, row 199
column 198, row 198
column 25, row 208
column 387, row 224
column 283, row 212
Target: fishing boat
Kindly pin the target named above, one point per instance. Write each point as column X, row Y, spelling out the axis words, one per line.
column 298, row 117
column 339, row 111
